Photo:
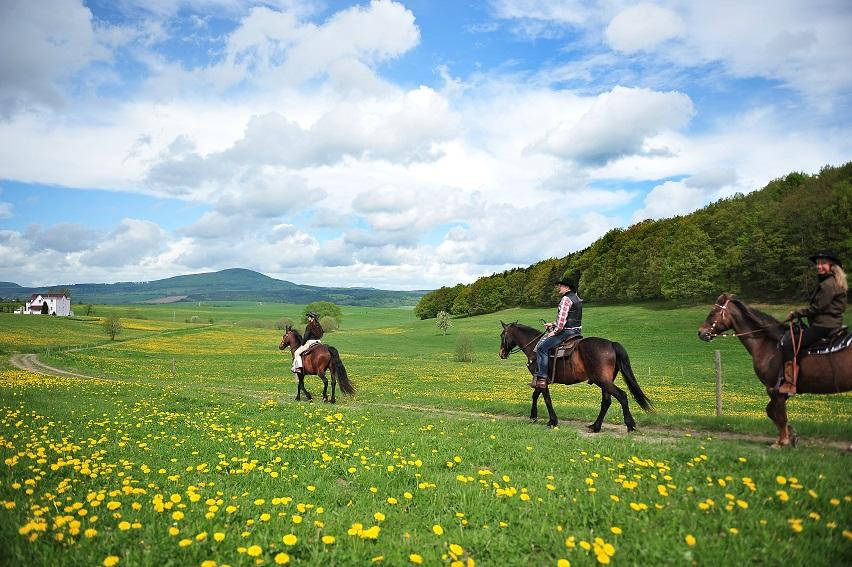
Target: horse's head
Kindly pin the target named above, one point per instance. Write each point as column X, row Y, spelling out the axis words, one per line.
column 287, row 339
column 718, row 320
column 507, row 340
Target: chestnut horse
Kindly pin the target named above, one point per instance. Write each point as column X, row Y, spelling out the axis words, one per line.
column 759, row 333
column 595, row 360
column 316, row 361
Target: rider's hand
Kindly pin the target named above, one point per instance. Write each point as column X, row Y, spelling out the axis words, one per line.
column 790, row 316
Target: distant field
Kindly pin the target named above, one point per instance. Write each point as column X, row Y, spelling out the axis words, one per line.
column 188, row 448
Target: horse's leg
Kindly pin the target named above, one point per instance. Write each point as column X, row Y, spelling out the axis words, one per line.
column 298, row 387
column 534, row 408
column 333, row 386
column 776, row 409
column 621, row 396
column 302, row 386
column 606, row 400
column 324, row 386
column 553, row 421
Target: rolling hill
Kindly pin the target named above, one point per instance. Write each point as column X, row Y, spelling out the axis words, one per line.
column 234, row 284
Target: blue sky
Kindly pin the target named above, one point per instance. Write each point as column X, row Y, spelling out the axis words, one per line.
column 398, row 145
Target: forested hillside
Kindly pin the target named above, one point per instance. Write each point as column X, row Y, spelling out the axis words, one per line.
column 756, row 245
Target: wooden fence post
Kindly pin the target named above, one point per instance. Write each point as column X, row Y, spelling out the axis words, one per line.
column 718, row 383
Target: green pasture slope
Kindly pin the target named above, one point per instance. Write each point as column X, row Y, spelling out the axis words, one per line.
column 188, row 448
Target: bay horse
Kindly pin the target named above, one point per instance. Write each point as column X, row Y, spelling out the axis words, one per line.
column 595, row 360
column 316, row 361
column 759, row 334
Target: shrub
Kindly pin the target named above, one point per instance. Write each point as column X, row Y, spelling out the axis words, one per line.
column 283, row 323
column 329, row 324
column 464, row 349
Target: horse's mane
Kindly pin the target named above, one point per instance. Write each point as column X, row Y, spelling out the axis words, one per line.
column 298, row 336
column 774, row 328
column 525, row 328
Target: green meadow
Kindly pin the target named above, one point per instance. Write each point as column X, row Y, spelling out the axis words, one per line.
column 186, row 447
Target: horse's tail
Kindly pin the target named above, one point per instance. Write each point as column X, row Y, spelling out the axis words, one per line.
column 622, row 361
column 339, row 372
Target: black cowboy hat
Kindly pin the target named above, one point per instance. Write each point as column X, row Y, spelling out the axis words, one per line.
column 568, row 282
column 829, row 255
column 312, row 314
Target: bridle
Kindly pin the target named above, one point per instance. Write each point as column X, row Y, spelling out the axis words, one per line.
column 517, row 347
column 724, row 312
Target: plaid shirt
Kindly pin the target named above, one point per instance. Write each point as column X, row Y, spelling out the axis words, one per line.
column 562, row 313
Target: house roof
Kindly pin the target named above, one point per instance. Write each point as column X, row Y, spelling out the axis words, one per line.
column 48, row 295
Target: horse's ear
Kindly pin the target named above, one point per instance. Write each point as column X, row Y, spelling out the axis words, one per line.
column 504, row 324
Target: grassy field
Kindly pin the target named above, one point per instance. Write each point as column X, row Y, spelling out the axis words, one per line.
column 189, row 449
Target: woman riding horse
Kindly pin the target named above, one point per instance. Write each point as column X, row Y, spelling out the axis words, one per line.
column 824, row 313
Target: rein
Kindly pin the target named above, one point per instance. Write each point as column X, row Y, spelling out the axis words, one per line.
column 518, row 348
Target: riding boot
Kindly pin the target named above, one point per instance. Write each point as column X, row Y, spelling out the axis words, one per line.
column 538, row 382
column 788, row 388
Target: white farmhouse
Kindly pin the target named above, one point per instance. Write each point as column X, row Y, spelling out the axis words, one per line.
column 48, row 304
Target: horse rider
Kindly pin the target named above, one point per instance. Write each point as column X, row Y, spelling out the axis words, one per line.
column 824, row 312
column 568, row 323
column 313, row 333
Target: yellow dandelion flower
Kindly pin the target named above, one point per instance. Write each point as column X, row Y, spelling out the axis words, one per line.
column 290, row 539
column 208, row 563
column 297, row 519
column 110, row 560
column 177, row 515
column 124, row 526
column 437, row 529
column 282, row 558
column 563, row 563
column 185, row 542
column 456, row 549
column 690, row 540
column 616, row 530
column 415, row 558
column 254, row 551
column 780, row 479
column 328, row 539
column 219, row 536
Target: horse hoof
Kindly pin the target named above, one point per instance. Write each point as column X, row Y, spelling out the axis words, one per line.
column 631, row 429
column 533, row 419
column 333, row 401
column 594, row 428
column 552, row 424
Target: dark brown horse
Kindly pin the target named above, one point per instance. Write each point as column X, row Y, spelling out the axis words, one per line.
column 595, row 360
column 759, row 333
column 316, row 361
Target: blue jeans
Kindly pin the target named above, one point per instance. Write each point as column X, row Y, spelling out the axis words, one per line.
column 543, row 347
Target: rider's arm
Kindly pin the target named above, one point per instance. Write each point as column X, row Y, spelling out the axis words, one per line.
column 562, row 315
column 820, row 302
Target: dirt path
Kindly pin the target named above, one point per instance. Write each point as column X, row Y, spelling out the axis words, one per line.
column 30, row 362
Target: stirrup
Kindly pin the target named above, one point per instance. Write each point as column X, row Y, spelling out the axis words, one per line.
column 538, row 382
column 787, row 389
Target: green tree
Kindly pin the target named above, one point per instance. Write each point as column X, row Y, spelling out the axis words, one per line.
column 690, row 268
column 329, row 324
column 322, row 309
column 461, row 305
column 112, row 326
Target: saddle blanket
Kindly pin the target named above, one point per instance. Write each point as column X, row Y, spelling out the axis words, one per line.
column 832, row 344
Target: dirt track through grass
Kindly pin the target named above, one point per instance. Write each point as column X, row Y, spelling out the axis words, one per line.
column 31, row 363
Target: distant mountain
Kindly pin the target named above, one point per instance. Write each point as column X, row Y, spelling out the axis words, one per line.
column 234, row 284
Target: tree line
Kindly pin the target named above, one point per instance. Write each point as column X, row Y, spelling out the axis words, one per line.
column 755, row 245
